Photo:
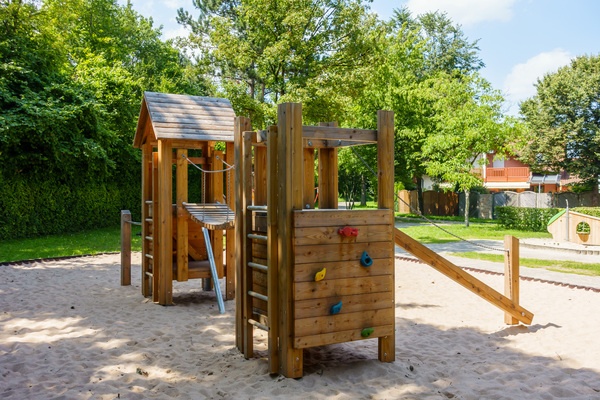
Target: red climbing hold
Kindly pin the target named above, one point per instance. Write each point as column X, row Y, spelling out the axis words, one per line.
column 348, row 231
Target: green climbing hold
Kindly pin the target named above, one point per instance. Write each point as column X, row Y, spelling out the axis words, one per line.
column 367, row 332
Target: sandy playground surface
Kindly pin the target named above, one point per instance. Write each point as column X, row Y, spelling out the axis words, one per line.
column 69, row 331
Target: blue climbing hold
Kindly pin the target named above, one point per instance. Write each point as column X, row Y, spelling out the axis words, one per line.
column 336, row 308
column 365, row 260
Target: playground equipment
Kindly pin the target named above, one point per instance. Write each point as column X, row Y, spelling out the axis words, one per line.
column 311, row 277
column 174, row 246
column 575, row 227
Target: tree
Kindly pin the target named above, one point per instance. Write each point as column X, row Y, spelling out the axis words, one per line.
column 467, row 122
column 563, row 121
column 265, row 52
column 417, row 55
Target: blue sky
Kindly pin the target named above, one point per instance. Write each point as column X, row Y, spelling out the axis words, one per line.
column 519, row 40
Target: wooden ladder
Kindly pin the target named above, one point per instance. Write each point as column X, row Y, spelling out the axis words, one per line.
column 149, row 252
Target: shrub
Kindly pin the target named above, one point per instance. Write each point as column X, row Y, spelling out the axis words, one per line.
column 592, row 211
column 525, row 219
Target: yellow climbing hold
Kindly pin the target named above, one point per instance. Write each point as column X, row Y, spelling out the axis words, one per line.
column 319, row 276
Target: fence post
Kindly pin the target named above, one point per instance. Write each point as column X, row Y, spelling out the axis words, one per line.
column 125, row 248
column 511, row 274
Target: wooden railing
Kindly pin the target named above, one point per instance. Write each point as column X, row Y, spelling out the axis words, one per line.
column 508, row 174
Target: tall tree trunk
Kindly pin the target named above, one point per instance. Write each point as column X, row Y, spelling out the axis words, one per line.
column 363, row 191
column 420, row 194
column 467, row 206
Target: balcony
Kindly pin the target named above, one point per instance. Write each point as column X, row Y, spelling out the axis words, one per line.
column 508, row 174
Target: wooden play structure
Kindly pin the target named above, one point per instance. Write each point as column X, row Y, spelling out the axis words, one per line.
column 574, row 227
column 311, row 277
column 174, row 244
column 307, row 276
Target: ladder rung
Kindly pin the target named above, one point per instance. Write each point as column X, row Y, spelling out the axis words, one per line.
column 260, row 267
column 149, row 220
column 258, row 295
column 149, row 256
column 258, row 324
column 148, row 202
column 258, row 237
column 148, row 273
column 149, row 238
column 257, row 208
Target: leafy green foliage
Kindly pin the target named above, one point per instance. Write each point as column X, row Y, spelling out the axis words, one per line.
column 563, row 121
column 71, row 82
column 526, row 219
column 593, row 211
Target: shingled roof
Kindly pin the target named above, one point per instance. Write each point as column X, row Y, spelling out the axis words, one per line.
column 182, row 117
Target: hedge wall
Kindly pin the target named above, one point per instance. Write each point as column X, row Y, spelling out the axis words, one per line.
column 525, row 219
column 45, row 207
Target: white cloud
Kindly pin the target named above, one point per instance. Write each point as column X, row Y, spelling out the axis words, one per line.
column 519, row 84
column 466, row 12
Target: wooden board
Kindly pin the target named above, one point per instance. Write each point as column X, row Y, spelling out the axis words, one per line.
column 212, row 216
column 366, row 293
column 316, row 218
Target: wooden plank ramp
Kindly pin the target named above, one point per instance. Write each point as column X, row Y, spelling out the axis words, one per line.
column 461, row 277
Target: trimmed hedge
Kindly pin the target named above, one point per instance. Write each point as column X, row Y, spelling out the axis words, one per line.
column 592, row 211
column 525, row 219
column 47, row 207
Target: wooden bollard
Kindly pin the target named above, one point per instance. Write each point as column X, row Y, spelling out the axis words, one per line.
column 511, row 274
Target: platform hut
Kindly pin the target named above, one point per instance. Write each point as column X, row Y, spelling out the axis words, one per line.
column 173, row 247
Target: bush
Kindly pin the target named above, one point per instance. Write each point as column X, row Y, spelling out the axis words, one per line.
column 525, row 219
column 592, row 211
column 46, row 207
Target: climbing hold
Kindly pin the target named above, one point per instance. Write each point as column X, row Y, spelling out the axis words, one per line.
column 366, row 260
column 320, row 275
column 336, row 308
column 367, row 332
column 348, row 231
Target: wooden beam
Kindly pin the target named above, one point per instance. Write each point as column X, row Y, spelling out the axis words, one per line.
column 290, row 175
column 335, row 133
column 241, row 124
column 247, row 280
column 511, row 275
column 163, row 226
column 272, row 252
column 385, row 200
column 460, row 276
column 230, row 192
column 125, row 248
column 181, row 191
column 147, row 229
column 328, row 175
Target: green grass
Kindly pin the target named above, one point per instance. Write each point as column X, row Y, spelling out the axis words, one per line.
column 427, row 233
column 105, row 240
column 571, row 267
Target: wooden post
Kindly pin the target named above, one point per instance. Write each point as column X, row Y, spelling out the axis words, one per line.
column 216, row 190
column 147, row 228
column 290, row 184
column 125, row 248
column 385, row 199
column 272, row 257
column 163, row 224
column 328, row 175
column 308, row 201
column 260, row 176
column 247, row 276
column 155, row 229
column 511, row 274
column 182, row 219
column 230, row 192
column 241, row 124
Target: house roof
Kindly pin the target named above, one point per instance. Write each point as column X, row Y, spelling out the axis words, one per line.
column 183, row 118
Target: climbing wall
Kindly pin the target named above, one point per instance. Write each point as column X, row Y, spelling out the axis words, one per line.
column 343, row 276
